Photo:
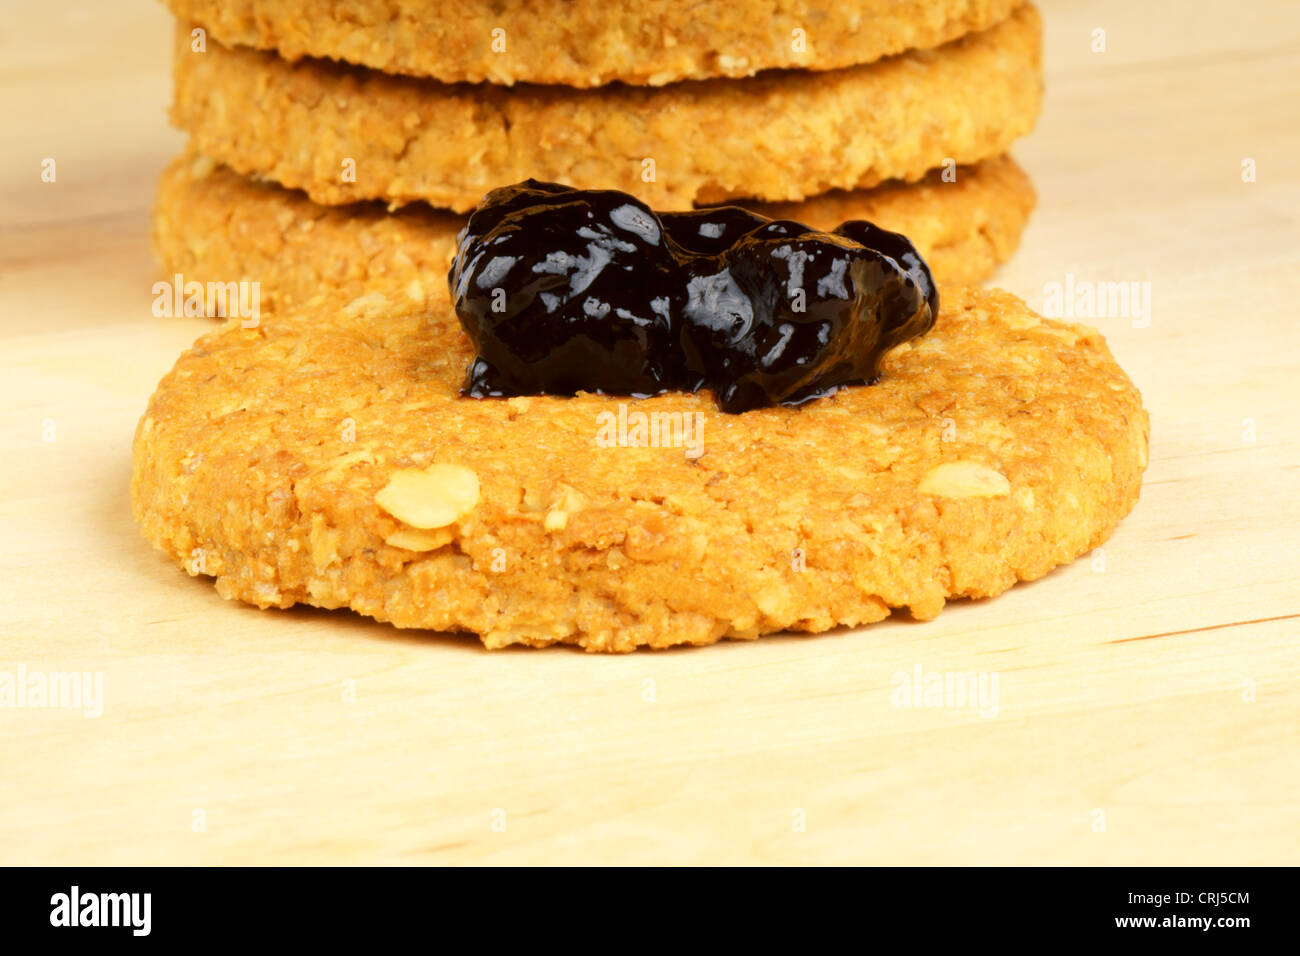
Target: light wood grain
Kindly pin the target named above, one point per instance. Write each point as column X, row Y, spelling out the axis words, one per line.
column 1121, row 689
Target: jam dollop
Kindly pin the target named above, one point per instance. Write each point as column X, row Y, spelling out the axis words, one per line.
column 564, row 290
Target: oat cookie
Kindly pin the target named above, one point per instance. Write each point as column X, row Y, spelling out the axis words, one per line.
column 211, row 224
column 344, row 133
column 325, row 457
column 590, row 42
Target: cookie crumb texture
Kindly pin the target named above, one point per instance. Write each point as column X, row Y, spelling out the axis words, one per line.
column 591, row 42
column 344, row 134
column 997, row 447
column 211, row 224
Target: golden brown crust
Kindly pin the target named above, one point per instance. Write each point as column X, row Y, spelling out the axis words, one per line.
column 211, row 224
column 585, row 43
column 778, row 136
column 995, row 448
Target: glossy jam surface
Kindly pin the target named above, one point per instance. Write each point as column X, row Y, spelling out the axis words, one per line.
column 564, row 290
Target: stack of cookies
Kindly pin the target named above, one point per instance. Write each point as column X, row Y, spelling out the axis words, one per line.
column 330, row 455
column 337, row 146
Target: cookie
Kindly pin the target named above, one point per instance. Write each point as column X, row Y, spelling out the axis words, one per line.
column 211, row 224
column 585, row 43
column 325, row 457
column 344, row 133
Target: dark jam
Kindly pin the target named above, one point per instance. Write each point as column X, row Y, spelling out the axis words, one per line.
column 564, row 290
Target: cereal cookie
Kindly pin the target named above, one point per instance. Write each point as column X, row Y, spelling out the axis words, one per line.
column 591, row 42
column 344, row 133
column 213, row 224
column 326, row 457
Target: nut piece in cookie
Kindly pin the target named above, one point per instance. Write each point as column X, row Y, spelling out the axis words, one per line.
column 964, row 479
column 432, row 497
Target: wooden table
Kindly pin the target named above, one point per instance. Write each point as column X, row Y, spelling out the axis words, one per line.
column 1148, row 699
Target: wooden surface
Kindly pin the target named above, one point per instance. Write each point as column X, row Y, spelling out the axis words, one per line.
column 1147, row 709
